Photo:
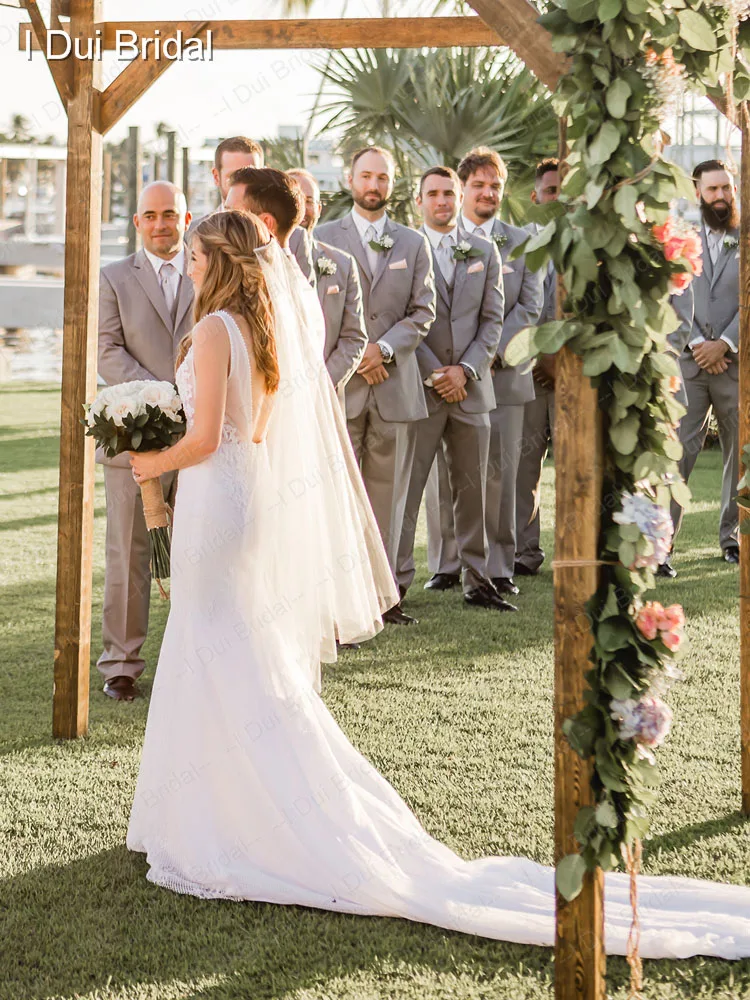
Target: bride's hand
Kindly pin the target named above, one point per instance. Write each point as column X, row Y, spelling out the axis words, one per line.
column 145, row 465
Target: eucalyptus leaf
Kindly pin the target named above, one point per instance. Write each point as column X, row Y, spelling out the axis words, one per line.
column 605, row 143
column 696, row 30
column 618, row 93
column 569, row 876
column 606, row 814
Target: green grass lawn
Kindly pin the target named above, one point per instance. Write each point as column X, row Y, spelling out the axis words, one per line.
column 456, row 713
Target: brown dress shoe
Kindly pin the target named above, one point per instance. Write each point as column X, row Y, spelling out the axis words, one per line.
column 121, row 688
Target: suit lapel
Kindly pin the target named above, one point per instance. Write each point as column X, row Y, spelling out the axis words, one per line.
column 184, row 299
column 498, row 229
column 724, row 255
column 440, row 282
column 354, row 244
column 708, row 266
column 147, row 279
column 384, row 255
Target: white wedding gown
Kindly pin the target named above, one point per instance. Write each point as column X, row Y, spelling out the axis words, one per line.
column 249, row 790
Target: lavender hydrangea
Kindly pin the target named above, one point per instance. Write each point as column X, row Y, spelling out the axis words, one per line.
column 653, row 522
column 647, row 721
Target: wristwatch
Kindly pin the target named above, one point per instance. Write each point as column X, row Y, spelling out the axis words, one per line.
column 469, row 372
column 386, row 352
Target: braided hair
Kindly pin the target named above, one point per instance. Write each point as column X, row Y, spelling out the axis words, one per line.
column 234, row 281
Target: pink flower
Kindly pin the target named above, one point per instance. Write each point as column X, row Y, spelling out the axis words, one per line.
column 674, row 248
column 674, row 383
column 672, row 640
column 671, row 618
column 679, row 281
column 662, row 233
column 647, row 618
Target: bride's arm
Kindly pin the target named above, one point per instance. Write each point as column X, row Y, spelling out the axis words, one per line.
column 211, row 359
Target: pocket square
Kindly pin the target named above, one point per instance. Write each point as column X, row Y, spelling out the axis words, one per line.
column 398, row 265
column 507, row 269
column 333, row 290
column 476, row 266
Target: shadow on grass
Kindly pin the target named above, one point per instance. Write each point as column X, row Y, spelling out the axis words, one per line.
column 98, row 924
column 27, row 453
column 685, row 836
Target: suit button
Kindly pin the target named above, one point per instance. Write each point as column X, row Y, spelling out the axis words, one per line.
column 373, row 316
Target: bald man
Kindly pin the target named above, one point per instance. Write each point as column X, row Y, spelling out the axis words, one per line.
column 145, row 309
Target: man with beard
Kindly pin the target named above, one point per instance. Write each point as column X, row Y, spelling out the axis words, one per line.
column 236, row 153
column 385, row 396
column 339, row 292
column 709, row 361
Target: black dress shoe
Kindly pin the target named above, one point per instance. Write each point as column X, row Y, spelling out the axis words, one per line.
column 348, row 645
column 442, row 581
column 732, row 554
column 667, row 570
column 520, row 570
column 395, row 616
column 121, row 688
column 505, row 585
column 485, row 596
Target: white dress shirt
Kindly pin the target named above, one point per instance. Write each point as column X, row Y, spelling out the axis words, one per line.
column 484, row 228
column 173, row 281
column 363, row 226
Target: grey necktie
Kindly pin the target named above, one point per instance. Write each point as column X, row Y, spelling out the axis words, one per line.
column 445, row 259
column 166, row 272
column 714, row 245
column 372, row 255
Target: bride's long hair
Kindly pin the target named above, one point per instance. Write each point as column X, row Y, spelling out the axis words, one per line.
column 234, row 281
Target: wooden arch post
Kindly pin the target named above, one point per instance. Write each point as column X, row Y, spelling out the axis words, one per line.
column 744, row 439
column 80, row 322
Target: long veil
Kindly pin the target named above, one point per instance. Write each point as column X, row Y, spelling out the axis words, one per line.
column 324, row 566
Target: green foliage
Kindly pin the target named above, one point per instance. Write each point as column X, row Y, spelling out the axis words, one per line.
column 617, row 284
column 150, row 431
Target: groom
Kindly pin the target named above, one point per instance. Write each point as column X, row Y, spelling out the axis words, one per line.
column 385, row 397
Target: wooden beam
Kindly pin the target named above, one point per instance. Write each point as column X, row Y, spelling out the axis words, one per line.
column 744, row 439
column 80, row 325
column 135, row 79
column 317, row 33
column 516, row 22
column 60, row 69
column 580, row 958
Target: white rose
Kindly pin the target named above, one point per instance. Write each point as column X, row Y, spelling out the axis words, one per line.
column 159, row 394
column 126, row 406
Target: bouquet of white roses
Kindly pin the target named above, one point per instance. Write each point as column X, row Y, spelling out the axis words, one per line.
column 141, row 416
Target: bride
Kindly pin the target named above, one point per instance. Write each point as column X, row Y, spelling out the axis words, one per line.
column 247, row 788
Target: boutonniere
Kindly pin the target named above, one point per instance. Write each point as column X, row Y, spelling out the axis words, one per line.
column 731, row 243
column 384, row 243
column 500, row 240
column 464, row 250
column 326, row 265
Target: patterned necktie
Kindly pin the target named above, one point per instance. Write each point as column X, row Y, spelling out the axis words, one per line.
column 167, row 285
column 445, row 259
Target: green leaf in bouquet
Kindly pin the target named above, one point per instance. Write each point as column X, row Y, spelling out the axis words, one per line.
column 135, row 440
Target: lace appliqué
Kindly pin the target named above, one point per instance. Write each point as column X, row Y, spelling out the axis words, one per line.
column 185, row 379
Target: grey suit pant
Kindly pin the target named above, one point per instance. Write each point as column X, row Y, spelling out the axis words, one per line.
column 127, row 578
column 720, row 392
column 538, row 421
column 464, row 440
column 385, row 452
column 506, row 431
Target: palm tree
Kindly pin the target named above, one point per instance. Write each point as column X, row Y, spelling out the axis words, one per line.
column 432, row 107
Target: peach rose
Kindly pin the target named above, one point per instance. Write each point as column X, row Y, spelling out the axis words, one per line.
column 672, row 640
column 647, row 617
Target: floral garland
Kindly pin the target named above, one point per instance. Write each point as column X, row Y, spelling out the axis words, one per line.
column 620, row 255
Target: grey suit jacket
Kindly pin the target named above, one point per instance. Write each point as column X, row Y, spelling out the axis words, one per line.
column 468, row 324
column 340, row 296
column 301, row 246
column 716, row 295
column 137, row 338
column 399, row 308
column 524, row 300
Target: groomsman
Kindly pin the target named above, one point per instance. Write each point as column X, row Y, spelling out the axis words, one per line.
column 339, row 292
column 454, row 362
column 709, row 360
column 145, row 309
column 385, row 396
column 539, row 413
column 233, row 154
column 483, row 175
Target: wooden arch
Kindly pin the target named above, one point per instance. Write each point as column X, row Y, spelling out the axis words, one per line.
column 92, row 112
